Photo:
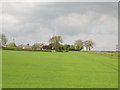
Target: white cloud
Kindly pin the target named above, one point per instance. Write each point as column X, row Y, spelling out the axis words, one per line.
column 9, row 19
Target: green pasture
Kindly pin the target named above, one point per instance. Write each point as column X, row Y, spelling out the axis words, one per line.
column 28, row 69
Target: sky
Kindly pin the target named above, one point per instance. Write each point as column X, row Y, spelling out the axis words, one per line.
column 37, row 22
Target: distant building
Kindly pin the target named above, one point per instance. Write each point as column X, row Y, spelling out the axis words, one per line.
column 40, row 44
column 24, row 46
column 4, row 46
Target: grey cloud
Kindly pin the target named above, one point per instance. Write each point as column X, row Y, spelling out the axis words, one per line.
column 37, row 22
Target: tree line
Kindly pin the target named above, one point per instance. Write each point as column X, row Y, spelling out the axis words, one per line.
column 55, row 43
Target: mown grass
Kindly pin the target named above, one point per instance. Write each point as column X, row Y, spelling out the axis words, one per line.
column 24, row 69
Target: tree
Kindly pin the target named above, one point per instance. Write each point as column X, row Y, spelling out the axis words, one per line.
column 66, row 47
column 89, row 44
column 55, row 40
column 59, row 48
column 72, row 48
column 12, row 45
column 52, row 46
column 35, row 46
column 3, row 39
column 0, row 42
column 78, row 44
column 28, row 44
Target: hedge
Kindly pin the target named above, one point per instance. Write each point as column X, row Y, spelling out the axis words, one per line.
column 20, row 49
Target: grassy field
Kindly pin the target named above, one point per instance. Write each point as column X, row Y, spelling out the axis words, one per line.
column 24, row 69
column 111, row 54
column 0, row 69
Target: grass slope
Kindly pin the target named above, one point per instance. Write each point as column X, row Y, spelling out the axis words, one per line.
column 0, row 69
column 24, row 69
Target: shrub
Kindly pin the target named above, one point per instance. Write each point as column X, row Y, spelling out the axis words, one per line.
column 47, row 47
column 59, row 48
column 66, row 47
column 35, row 46
column 20, row 49
column 9, row 48
column 72, row 48
column 12, row 45
column 66, row 50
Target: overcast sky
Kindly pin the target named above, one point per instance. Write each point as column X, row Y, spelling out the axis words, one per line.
column 37, row 22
